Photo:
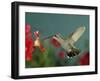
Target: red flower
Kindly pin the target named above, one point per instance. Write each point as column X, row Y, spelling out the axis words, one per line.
column 62, row 54
column 29, row 43
column 84, row 59
column 42, row 49
column 28, row 35
column 27, row 28
column 55, row 42
column 29, row 49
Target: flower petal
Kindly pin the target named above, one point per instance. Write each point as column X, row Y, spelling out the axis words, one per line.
column 84, row 59
column 62, row 54
column 27, row 28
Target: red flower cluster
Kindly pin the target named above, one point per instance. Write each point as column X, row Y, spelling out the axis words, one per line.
column 61, row 54
column 84, row 59
column 42, row 49
column 29, row 42
column 55, row 42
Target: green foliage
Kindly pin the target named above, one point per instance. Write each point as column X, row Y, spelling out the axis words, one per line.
column 50, row 57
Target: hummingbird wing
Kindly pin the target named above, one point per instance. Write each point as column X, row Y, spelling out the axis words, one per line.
column 64, row 43
column 76, row 35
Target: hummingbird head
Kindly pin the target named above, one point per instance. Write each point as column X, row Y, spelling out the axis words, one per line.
column 58, row 36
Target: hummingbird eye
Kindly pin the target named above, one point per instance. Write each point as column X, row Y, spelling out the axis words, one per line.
column 55, row 35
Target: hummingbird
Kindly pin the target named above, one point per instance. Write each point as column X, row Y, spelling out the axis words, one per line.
column 68, row 44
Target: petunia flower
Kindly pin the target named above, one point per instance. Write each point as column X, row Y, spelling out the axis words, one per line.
column 29, row 43
column 61, row 54
column 84, row 60
column 27, row 28
column 42, row 49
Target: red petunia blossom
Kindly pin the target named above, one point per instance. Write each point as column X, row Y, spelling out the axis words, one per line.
column 55, row 42
column 62, row 54
column 28, row 35
column 84, row 59
column 29, row 43
column 42, row 49
column 29, row 49
column 27, row 28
